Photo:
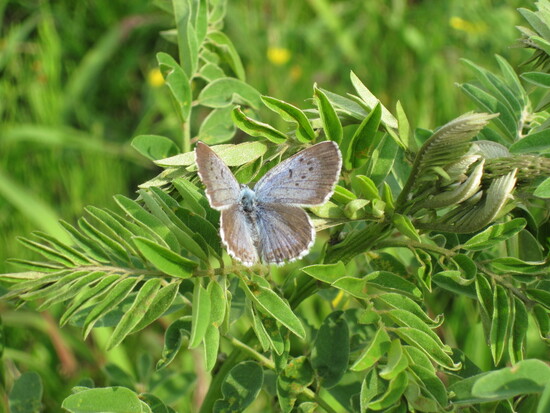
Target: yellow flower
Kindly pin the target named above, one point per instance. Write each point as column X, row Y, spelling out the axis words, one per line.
column 278, row 55
column 155, row 78
column 458, row 23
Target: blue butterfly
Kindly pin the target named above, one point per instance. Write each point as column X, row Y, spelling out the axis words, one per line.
column 267, row 223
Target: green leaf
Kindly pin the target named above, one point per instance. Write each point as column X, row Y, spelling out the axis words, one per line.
column 47, row 252
column 365, row 187
column 161, row 302
column 240, row 387
column 290, row 113
column 162, row 207
column 211, row 72
column 89, row 246
column 433, row 390
column 292, row 381
column 26, row 394
column 407, row 319
column 393, row 393
column 270, row 303
column 405, row 226
column 404, row 129
column 494, row 234
column 165, row 260
column 122, row 232
column 428, row 345
column 177, row 81
column 227, row 50
column 115, row 296
column 87, row 294
column 45, row 292
column 543, row 190
column 537, row 78
column 106, row 240
column 190, row 196
column 356, row 209
column 327, row 273
column 397, row 361
column 257, row 128
column 526, row 377
column 200, row 314
column 506, row 122
column 187, row 40
column 231, row 155
column 144, row 299
column 68, row 251
column 218, row 298
column 381, row 162
column 379, row 346
column 226, row 91
column 331, row 123
column 68, row 291
column 371, row 101
column 399, row 301
column 330, row 354
column 542, row 296
column 217, row 127
column 497, row 87
column 343, row 195
column 147, row 220
column 173, row 340
column 499, row 323
column 542, row 318
column 369, row 389
column 363, row 141
column 394, row 283
column 211, row 346
column 107, row 399
column 154, row 147
column 518, row 331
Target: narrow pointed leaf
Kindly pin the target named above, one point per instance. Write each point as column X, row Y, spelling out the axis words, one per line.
column 165, row 260
column 135, row 313
column 200, row 314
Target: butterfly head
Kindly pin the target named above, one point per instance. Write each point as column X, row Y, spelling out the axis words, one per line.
column 247, row 198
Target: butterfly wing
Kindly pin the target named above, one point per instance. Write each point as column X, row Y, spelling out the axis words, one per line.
column 284, row 232
column 238, row 235
column 305, row 179
column 222, row 189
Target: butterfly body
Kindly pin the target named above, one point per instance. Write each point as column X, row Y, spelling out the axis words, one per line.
column 267, row 223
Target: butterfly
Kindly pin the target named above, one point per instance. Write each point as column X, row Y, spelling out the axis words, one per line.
column 267, row 223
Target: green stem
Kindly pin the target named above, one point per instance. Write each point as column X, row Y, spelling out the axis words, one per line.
column 246, row 348
column 312, row 396
column 414, row 244
column 186, row 135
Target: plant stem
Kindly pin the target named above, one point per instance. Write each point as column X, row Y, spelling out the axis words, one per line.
column 311, row 395
column 245, row 347
column 414, row 244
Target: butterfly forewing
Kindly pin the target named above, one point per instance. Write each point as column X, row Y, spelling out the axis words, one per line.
column 305, row 179
column 222, row 189
column 284, row 232
column 238, row 235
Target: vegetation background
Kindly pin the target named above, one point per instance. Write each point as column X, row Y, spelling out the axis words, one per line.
column 79, row 80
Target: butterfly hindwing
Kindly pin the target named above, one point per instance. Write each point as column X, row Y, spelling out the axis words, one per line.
column 284, row 232
column 222, row 189
column 238, row 235
column 305, row 179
